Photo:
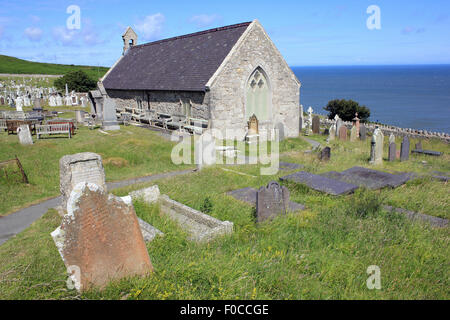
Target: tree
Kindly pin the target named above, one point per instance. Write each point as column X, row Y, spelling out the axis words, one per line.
column 78, row 81
column 346, row 110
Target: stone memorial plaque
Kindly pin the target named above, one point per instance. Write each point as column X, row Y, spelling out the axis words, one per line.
column 271, row 201
column 100, row 235
column 320, row 183
column 80, row 167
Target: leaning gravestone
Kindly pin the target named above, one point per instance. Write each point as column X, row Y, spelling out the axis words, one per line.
column 392, row 151
column 80, row 167
column 271, row 201
column 404, row 152
column 100, row 236
column 325, row 154
column 343, row 133
column 362, row 133
column 316, row 125
column 24, row 135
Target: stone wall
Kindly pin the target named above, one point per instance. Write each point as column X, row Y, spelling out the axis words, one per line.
column 162, row 101
column 228, row 89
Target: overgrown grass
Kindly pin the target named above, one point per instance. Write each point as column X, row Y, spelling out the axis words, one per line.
column 321, row 253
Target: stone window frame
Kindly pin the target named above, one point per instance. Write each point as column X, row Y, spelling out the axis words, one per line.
column 270, row 114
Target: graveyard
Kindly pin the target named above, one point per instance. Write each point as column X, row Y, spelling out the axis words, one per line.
column 320, row 251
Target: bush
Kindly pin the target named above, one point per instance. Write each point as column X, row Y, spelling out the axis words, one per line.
column 346, row 110
column 78, row 81
column 206, row 206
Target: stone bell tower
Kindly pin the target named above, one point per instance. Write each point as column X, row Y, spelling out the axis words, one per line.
column 130, row 39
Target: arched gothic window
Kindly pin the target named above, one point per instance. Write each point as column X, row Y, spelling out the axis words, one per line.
column 258, row 95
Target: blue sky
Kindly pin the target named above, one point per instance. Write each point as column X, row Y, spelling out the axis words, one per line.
column 308, row 33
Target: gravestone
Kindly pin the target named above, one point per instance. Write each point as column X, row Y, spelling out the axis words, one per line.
column 392, row 151
column 80, row 167
column 376, row 151
column 404, row 152
column 332, row 133
column 419, row 145
column 325, row 154
column 205, row 150
column 24, row 135
column 101, row 237
column 271, row 201
column 320, row 183
column 362, row 133
column 353, row 134
column 338, row 125
column 343, row 133
column 253, row 127
column 316, row 125
column 391, row 138
column 37, row 104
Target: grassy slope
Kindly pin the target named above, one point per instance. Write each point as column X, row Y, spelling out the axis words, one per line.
column 17, row 66
column 322, row 253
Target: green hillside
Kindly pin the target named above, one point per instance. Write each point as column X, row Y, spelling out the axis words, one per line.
column 18, row 66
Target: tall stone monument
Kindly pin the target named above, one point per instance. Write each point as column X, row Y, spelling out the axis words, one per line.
column 404, row 150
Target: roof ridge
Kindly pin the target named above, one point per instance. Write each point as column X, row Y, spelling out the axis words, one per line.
column 233, row 26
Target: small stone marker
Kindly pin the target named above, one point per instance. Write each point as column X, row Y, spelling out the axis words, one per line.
column 404, row 152
column 100, row 235
column 325, row 154
column 343, row 133
column 271, row 201
column 353, row 134
column 392, row 151
column 80, row 167
column 316, row 125
column 419, row 145
column 362, row 133
column 24, row 135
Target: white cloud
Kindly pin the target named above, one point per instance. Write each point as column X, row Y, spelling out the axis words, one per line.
column 33, row 33
column 205, row 20
column 64, row 35
column 150, row 27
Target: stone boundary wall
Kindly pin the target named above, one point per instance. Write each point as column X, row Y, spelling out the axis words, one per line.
column 387, row 130
column 31, row 75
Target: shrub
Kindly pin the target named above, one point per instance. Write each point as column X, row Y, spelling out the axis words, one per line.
column 206, row 206
column 346, row 110
column 78, row 81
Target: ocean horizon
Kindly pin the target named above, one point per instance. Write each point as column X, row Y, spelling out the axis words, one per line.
column 407, row 96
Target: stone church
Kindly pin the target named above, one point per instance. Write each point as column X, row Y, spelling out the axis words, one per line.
column 223, row 75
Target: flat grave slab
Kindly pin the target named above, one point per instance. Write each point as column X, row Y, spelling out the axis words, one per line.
column 433, row 221
column 321, row 183
column 248, row 195
column 441, row 176
column 369, row 178
column 428, row 152
column 290, row 166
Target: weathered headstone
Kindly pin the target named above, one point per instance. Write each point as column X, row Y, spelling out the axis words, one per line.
column 2, row 101
column 332, row 133
column 404, row 152
column 338, row 125
column 325, row 154
column 392, row 151
column 362, row 133
column 376, row 153
column 353, row 134
column 37, row 104
column 419, row 145
column 343, row 133
column 100, row 238
column 356, row 123
column 24, row 135
column 80, row 167
column 253, row 125
column 271, row 201
column 316, row 125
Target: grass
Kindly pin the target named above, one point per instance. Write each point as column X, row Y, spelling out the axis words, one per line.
column 13, row 65
column 321, row 253
column 128, row 153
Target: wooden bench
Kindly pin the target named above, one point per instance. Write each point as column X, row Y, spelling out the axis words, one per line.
column 162, row 119
column 12, row 125
column 72, row 124
column 196, row 126
column 177, row 122
column 54, row 128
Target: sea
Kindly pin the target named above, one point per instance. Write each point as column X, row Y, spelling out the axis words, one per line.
column 415, row 97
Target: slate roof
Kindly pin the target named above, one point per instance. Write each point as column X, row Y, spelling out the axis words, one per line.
column 183, row 63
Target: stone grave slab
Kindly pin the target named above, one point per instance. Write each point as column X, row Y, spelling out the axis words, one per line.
column 441, row 176
column 290, row 166
column 248, row 195
column 428, row 152
column 321, row 183
column 433, row 221
column 271, row 201
column 100, row 235
column 369, row 178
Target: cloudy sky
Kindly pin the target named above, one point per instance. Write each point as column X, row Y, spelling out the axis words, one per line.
column 306, row 32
